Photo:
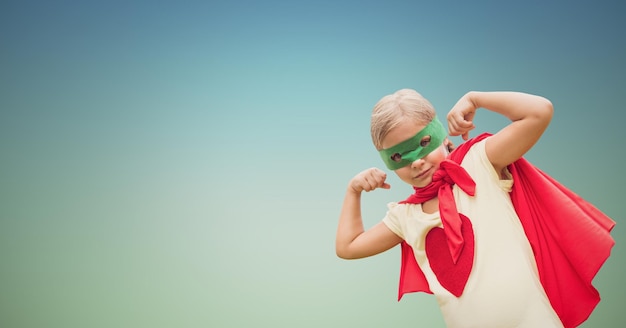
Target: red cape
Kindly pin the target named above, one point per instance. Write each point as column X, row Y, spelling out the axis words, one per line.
column 570, row 239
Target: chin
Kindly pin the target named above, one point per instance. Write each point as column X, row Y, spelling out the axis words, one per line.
column 423, row 183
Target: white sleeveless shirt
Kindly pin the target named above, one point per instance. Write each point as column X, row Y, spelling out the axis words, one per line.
column 503, row 288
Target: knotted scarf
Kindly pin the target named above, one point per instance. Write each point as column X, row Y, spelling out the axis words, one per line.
column 448, row 174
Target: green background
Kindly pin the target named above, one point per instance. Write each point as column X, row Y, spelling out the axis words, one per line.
column 183, row 163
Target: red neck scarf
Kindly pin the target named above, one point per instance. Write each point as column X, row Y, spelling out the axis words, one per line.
column 448, row 174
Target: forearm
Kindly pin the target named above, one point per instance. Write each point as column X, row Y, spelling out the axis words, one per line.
column 352, row 241
column 350, row 223
column 529, row 115
column 514, row 105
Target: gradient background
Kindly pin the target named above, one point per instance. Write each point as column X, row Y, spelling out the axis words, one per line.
column 182, row 164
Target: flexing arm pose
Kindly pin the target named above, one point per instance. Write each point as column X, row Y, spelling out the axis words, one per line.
column 529, row 115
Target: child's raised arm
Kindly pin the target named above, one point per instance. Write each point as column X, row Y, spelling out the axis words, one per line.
column 529, row 115
column 352, row 241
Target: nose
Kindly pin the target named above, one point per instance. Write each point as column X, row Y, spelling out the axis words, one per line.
column 417, row 163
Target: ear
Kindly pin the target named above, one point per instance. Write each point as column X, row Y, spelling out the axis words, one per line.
column 448, row 144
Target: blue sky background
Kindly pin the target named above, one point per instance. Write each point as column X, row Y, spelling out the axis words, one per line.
column 182, row 163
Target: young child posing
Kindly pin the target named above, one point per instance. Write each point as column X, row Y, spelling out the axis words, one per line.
column 498, row 242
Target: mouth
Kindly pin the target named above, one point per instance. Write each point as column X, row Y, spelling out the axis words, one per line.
column 421, row 174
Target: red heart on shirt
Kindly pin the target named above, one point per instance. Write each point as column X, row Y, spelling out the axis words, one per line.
column 452, row 277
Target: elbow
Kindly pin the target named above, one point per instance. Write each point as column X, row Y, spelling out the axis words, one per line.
column 546, row 109
column 540, row 113
column 343, row 253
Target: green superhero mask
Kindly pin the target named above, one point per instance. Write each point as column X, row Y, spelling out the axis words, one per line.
column 411, row 150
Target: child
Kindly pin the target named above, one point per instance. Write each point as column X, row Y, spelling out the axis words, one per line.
column 498, row 243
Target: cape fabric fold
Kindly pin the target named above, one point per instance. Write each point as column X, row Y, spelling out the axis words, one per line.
column 570, row 239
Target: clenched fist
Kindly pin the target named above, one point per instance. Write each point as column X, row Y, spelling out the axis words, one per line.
column 369, row 180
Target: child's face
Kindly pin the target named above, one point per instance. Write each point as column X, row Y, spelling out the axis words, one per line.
column 420, row 172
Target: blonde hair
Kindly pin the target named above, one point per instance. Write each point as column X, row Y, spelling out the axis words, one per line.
column 391, row 110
